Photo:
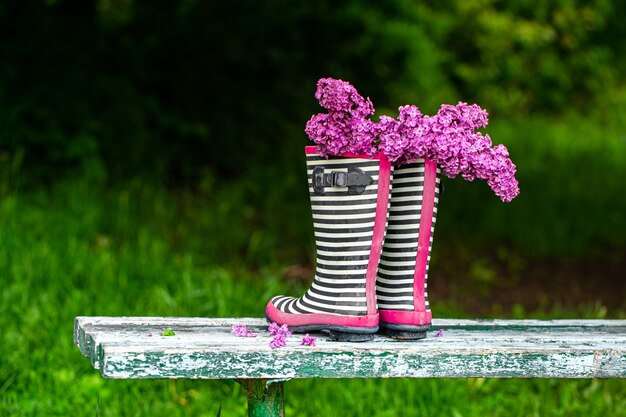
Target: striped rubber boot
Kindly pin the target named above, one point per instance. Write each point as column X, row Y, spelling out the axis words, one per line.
column 349, row 201
column 401, row 285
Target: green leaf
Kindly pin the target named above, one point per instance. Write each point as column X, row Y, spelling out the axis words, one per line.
column 168, row 332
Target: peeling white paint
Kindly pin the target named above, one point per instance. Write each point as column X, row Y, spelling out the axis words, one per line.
column 204, row 348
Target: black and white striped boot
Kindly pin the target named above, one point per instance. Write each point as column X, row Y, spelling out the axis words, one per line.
column 349, row 200
column 401, row 286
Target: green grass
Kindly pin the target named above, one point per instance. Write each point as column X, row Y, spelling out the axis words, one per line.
column 80, row 248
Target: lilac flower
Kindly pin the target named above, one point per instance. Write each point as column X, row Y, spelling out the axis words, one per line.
column 280, row 333
column 339, row 133
column 273, row 329
column 307, row 340
column 276, row 330
column 440, row 333
column 466, row 117
column 341, row 96
column 363, row 135
column 345, row 128
column 393, row 141
column 278, row 341
column 240, row 330
column 449, row 139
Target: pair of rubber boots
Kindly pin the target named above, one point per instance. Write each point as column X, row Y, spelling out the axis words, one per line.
column 373, row 226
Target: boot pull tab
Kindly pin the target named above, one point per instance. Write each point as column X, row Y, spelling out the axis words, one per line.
column 355, row 179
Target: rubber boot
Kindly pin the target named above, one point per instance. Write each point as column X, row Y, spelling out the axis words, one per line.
column 401, row 286
column 349, row 200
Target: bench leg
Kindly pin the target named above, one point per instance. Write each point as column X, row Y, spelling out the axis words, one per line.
column 265, row 397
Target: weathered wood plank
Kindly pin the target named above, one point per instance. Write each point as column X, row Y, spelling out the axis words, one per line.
column 204, row 348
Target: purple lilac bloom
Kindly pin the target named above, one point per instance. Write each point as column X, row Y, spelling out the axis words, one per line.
column 273, row 329
column 280, row 333
column 308, row 340
column 345, row 128
column 363, row 136
column 278, row 341
column 284, row 331
column 332, row 133
column 240, row 330
column 449, row 139
column 393, row 141
column 276, row 330
column 341, row 96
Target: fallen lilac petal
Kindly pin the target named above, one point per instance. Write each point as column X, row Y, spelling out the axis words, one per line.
column 273, row 329
column 284, row 331
column 308, row 340
column 278, row 341
column 149, row 335
column 440, row 333
column 240, row 330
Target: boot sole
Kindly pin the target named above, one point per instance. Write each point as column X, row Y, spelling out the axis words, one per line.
column 403, row 331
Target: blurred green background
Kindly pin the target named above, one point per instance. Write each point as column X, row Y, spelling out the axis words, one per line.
column 151, row 163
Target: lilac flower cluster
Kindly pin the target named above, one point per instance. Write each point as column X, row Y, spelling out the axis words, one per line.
column 345, row 128
column 240, row 330
column 448, row 138
column 278, row 341
column 280, row 333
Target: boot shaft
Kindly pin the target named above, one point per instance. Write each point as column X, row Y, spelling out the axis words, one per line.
column 349, row 203
column 348, row 223
column 403, row 272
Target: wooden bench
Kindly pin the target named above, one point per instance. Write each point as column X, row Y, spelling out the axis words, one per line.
column 132, row 348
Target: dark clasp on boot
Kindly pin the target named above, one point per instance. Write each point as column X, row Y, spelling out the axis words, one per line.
column 355, row 179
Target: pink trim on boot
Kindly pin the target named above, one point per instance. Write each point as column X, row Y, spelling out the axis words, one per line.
column 409, row 318
column 419, row 316
column 426, row 223
column 380, row 223
column 274, row 314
